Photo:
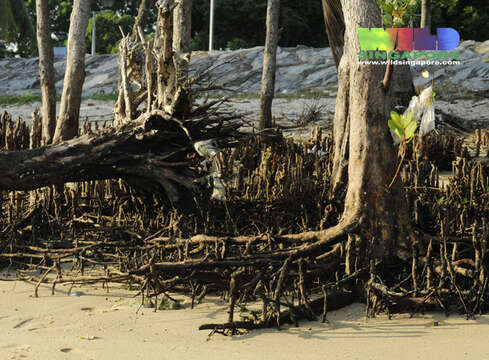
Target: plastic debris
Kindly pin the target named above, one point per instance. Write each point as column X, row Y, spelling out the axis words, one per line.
column 423, row 110
column 320, row 151
column 209, row 150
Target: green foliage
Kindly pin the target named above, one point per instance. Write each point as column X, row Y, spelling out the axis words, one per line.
column 237, row 43
column 16, row 27
column 396, row 11
column 60, row 12
column 301, row 22
column 29, row 98
column 103, row 96
column 107, row 30
column 469, row 18
column 3, row 51
column 404, row 126
column 7, row 21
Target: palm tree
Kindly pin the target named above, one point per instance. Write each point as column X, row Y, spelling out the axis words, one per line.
column 16, row 26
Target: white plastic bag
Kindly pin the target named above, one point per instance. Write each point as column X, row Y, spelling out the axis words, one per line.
column 423, row 110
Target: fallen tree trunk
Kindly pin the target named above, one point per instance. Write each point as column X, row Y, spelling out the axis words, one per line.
column 150, row 151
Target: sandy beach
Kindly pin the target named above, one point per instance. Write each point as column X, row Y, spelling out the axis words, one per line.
column 101, row 325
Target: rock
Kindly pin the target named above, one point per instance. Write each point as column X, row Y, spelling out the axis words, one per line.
column 482, row 48
column 466, row 44
column 322, row 75
column 474, row 76
column 298, row 69
column 468, row 54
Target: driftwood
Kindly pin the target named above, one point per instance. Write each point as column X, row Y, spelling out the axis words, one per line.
column 151, row 149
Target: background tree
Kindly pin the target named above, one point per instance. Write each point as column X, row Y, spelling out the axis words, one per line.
column 16, row 27
column 46, row 69
column 182, row 18
column 467, row 17
column 242, row 23
column 425, row 13
column 68, row 121
column 108, row 34
column 269, row 64
column 142, row 15
column 335, row 27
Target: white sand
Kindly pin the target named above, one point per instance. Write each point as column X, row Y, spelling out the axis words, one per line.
column 61, row 326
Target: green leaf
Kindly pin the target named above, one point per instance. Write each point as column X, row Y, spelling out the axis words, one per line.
column 392, row 125
column 395, row 115
column 396, row 121
column 411, row 129
column 409, row 116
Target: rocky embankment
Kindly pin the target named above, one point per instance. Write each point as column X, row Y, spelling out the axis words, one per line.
column 299, row 69
column 461, row 90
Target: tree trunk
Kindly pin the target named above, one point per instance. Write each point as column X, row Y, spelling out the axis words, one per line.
column 269, row 64
column 140, row 18
column 150, row 150
column 341, row 131
column 372, row 156
column 335, row 27
column 68, row 121
column 182, row 35
column 425, row 13
column 46, row 69
column 401, row 91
